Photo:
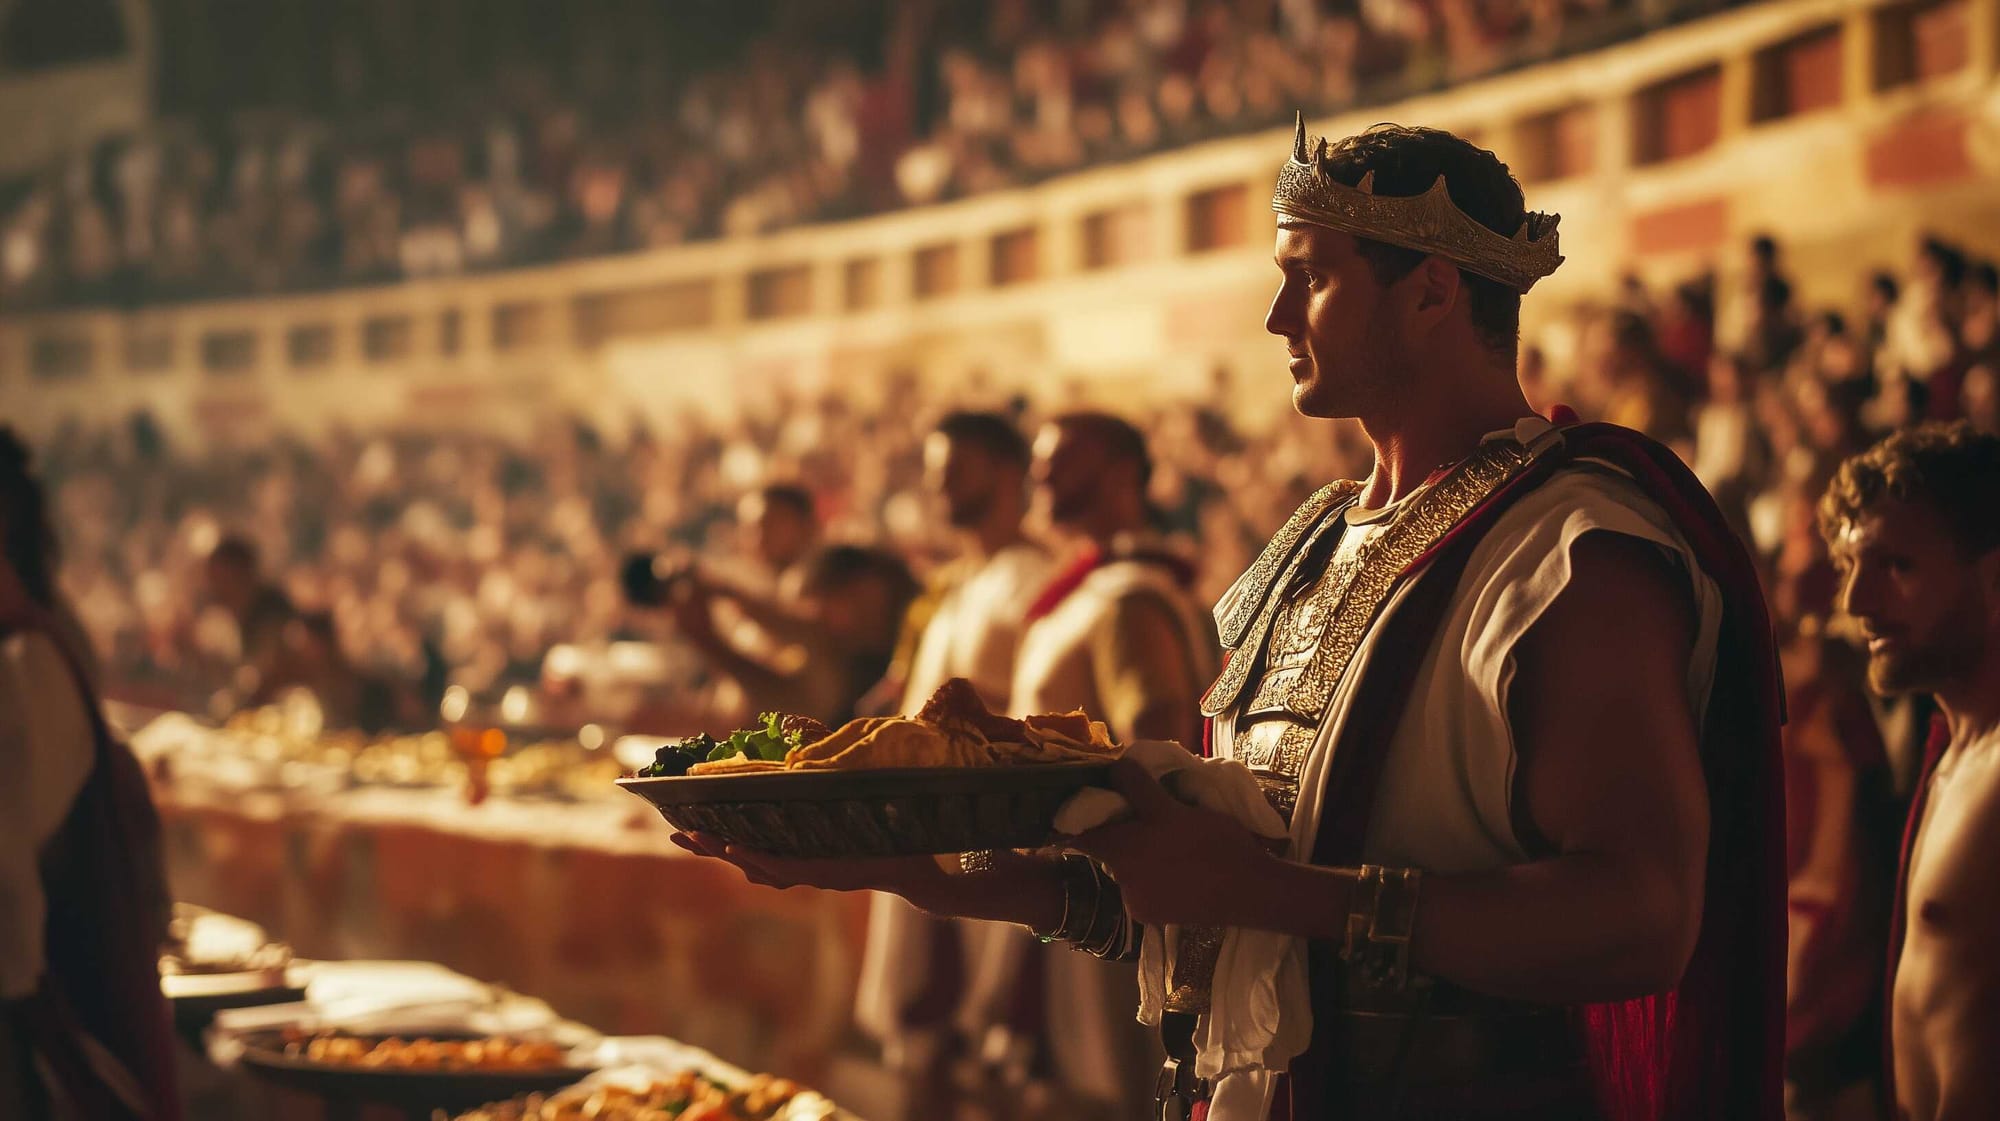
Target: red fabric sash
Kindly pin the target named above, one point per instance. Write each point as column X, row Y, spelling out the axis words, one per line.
column 1711, row 1048
column 106, row 901
column 1065, row 583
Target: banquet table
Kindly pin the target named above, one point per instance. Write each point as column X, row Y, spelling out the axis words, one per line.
column 586, row 905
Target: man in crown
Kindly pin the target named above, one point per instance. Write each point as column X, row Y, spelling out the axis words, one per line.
column 1512, row 696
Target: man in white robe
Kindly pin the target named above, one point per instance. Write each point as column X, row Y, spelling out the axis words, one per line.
column 912, row 987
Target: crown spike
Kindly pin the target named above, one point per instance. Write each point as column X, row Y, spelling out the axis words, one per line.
column 1299, row 139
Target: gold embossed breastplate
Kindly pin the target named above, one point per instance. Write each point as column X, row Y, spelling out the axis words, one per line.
column 1295, row 632
column 1296, row 649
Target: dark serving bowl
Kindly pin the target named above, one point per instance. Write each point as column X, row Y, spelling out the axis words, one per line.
column 889, row 812
column 414, row 1091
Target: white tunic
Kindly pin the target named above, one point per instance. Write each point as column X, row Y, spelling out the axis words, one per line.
column 977, row 628
column 974, row 634
column 1446, row 797
column 1055, row 671
column 1095, row 1040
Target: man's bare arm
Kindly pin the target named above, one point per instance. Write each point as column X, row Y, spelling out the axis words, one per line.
column 695, row 624
column 784, row 619
column 1612, row 780
column 1611, row 776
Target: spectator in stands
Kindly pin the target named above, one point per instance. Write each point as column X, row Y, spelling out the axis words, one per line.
column 814, row 112
column 839, row 634
column 260, row 609
column 779, row 525
column 310, row 657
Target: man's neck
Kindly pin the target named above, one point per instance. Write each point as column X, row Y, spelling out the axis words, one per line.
column 1971, row 705
column 1103, row 530
column 983, row 541
column 1409, row 448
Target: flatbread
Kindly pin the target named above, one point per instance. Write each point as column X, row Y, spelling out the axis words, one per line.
column 735, row 766
column 878, row 742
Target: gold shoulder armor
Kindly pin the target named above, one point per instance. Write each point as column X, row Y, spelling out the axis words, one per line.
column 1238, row 609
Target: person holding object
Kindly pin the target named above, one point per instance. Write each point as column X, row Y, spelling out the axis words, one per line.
column 1514, row 695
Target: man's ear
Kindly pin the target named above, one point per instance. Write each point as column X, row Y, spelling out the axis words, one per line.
column 1438, row 290
column 1987, row 569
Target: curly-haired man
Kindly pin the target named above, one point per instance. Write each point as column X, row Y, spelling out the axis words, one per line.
column 1914, row 525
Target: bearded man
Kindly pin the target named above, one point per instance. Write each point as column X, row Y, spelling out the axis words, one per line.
column 912, row 993
column 1512, row 696
column 1912, row 526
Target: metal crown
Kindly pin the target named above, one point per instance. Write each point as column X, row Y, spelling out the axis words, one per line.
column 1428, row 223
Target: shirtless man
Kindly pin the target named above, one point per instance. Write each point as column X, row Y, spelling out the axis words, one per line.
column 1914, row 524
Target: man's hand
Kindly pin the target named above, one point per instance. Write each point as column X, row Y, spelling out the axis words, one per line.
column 690, row 609
column 1177, row 863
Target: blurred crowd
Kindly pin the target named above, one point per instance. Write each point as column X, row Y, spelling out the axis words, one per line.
column 354, row 159
column 463, row 559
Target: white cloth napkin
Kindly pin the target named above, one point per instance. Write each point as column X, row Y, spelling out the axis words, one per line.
column 1260, row 1015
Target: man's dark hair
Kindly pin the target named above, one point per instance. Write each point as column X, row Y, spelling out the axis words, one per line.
column 1886, row 286
column 1986, row 278
column 991, row 433
column 1775, row 294
column 235, row 551
column 1764, row 247
column 790, row 496
column 320, row 625
column 1115, row 435
column 25, row 528
column 1952, row 469
column 1950, row 262
column 1406, row 161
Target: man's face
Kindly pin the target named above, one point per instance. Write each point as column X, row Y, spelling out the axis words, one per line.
column 229, row 584
column 1916, row 595
column 772, row 532
column 965, row 478
column 1068, row 472
column 1343, row 354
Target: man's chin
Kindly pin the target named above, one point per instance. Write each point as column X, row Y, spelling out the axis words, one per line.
column 1890, row 676
column 1310, row 403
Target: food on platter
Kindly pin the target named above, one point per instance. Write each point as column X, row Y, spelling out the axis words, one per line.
column 679, row 1097
column 491, row 1053
column 775, row 736
column 953, row 729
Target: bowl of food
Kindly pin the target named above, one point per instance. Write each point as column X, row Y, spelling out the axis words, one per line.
column 952, row 778
column 681, row 1096
column 445, row 1071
